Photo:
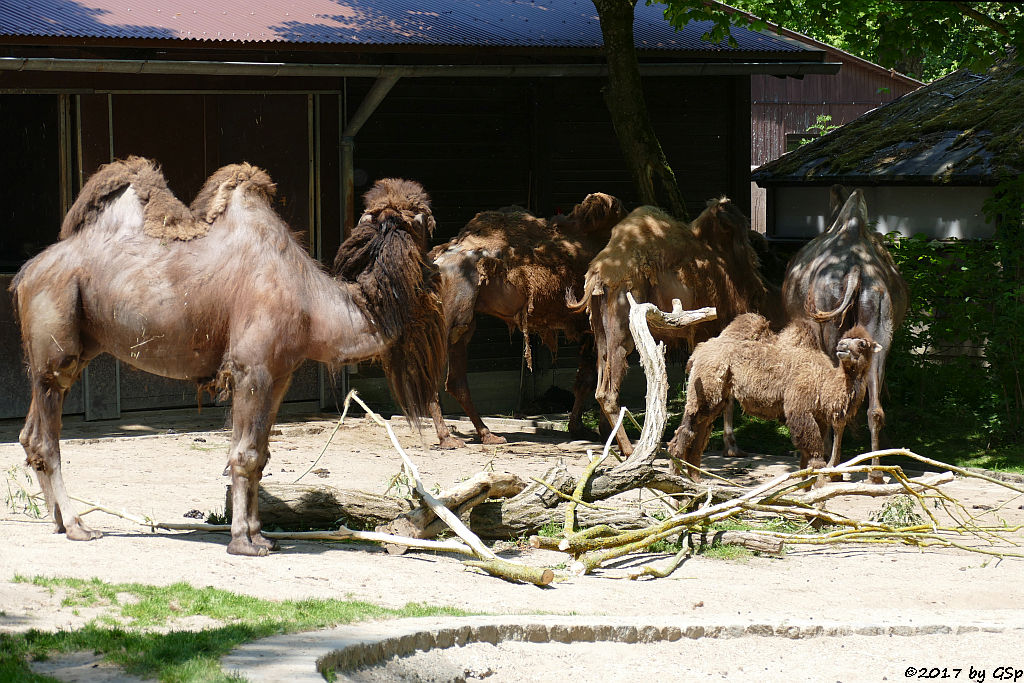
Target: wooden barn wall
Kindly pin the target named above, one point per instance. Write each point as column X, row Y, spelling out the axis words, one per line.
column 191, row 135
column 481, row 144
column 790, row 105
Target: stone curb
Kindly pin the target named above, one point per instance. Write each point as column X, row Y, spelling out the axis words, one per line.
column 302, row 657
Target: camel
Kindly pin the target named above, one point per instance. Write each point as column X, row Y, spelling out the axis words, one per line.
column 517, row 267
column 846, row 277
column 222, row 294
column 657, row 258
column 775, row 377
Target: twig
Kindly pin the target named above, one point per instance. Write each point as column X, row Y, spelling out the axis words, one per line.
column 490, row 561
column 324, row 449
column 570, row 510
column 573, row 500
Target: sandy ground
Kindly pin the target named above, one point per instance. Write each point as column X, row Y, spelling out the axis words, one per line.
column 164, row 466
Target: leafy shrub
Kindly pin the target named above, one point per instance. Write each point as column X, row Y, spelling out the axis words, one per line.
column 958, row 355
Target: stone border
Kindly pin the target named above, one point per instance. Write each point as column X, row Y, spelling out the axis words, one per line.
column 304, row 656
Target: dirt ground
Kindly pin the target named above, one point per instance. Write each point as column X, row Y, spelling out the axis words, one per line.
column 166, row 465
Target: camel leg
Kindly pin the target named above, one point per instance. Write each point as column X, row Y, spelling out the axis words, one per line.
column 691, row 438
column 445, row 440
column 614, row 344
column 876, row 416
column 56, row 358
column 834, row 444
column 583, row 388
column 40, row 438
column 458, row 386
column 806, row 435
column 729, row 435
column 256, row 397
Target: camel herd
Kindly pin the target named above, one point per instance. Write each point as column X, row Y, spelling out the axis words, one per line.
column 205, row 293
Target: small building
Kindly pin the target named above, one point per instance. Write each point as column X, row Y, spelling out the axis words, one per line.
column 927, row 161
column 486, row 104
column 783, row 110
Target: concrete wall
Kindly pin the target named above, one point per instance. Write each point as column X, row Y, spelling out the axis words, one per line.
column 941, row 212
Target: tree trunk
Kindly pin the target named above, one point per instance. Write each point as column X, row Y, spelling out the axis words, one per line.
column 305, row 506
column 624, row 97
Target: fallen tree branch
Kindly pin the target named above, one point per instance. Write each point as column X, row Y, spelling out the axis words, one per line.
column 491, row 562
column 570, row 510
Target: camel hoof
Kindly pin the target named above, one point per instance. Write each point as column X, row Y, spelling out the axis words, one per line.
column 241, row 546
column 489, row 439
column 262, row 541
column 875, row 477
column 835, row 477
column 450, row 442
column 80, row 532
column 735, row 452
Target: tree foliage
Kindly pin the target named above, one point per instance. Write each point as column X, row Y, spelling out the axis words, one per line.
column 923, row 39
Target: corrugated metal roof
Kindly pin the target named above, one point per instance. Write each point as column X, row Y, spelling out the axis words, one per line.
column 483, row 23
column 964, row 129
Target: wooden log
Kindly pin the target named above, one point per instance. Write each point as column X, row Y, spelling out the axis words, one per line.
column 422, row 522
column 748, row 539
column 310, row 506
column 512, row 518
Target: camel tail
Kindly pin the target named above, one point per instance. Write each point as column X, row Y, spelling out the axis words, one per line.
column 852, row 285
column 590, row 284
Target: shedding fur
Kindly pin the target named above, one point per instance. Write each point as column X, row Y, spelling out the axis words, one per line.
column 517, row 267
column 166, row 217
column 236, row 314
column 215, row 196
column 657, row 259
column 777, row 377
column 398, row 287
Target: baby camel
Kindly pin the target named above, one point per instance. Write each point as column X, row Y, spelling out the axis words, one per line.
column 774, row 376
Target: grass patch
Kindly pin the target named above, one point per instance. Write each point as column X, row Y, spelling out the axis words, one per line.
column 179, row 655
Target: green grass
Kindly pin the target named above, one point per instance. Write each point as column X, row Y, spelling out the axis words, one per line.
column 177, row 655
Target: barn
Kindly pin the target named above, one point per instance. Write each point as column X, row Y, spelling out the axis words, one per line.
column 486, row 104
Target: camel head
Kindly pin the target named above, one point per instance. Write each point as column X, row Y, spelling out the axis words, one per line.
column 856, row 348
column 399, row 204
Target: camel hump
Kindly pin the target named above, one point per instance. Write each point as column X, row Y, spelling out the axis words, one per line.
column 164, row 215
column 213, row 200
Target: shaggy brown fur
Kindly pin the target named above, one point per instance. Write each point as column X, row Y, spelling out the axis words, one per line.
column 657, row 259
column 239, row 308
column 846, row 277
column 517, row 267
column 398, row 285
column 775, row 377
column 165, row 216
